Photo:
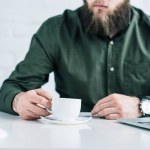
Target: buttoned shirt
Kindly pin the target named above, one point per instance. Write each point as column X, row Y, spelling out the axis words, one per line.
column 85, row 65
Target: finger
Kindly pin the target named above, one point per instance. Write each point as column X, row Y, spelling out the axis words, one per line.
column 43, row 93
column 106, row 112
column 104, row 100
column 43, row 102
column 49, row 110
column 102, row 106
column 112, row 116
column 32, row 114
column 38, row 110
column 26, row 117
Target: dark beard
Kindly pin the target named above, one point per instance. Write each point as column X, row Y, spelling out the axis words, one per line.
column 114, row 24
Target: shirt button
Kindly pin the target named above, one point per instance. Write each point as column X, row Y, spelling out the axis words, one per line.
column 111, row 42
column 112, row 69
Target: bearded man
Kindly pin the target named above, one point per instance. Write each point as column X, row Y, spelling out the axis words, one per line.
column 99, row 53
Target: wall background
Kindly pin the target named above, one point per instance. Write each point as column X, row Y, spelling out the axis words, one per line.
column 20, row 19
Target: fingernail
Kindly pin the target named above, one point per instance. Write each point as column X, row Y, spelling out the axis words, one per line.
column 92, row 112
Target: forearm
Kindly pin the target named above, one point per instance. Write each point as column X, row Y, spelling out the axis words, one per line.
column 7, row 94
column 29, row 74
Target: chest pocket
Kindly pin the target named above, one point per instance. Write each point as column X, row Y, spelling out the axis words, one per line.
column 137, row 79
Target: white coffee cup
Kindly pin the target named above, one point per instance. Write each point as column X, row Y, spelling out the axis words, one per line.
column 66, row 109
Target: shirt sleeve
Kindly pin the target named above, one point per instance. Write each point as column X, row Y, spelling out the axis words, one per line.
column 31, row 73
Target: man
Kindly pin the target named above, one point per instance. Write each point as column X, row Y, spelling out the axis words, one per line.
column 95, row 51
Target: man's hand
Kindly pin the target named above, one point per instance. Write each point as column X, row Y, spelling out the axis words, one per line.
column 27, row 104
column 117, row 106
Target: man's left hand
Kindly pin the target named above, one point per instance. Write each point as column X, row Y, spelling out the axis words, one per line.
column 117, row 106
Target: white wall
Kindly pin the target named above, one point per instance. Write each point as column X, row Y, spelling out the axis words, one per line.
column 20, row 19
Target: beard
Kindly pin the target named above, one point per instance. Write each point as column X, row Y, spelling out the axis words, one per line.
column 103, row 24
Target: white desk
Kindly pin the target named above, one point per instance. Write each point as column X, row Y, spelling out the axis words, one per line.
column 98, row 134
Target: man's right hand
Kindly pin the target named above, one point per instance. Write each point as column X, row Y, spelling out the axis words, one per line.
column 28, row 104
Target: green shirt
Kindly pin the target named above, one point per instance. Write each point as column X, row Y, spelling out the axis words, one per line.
column 85, row 66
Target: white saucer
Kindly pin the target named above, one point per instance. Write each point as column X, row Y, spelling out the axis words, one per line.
column 79, row 120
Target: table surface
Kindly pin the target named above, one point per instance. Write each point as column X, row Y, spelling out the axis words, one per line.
column 97, row 134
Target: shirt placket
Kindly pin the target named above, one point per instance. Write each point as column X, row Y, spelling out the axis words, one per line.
column 110, row 68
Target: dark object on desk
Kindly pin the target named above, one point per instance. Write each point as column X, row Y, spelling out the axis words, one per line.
column 138, row 122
